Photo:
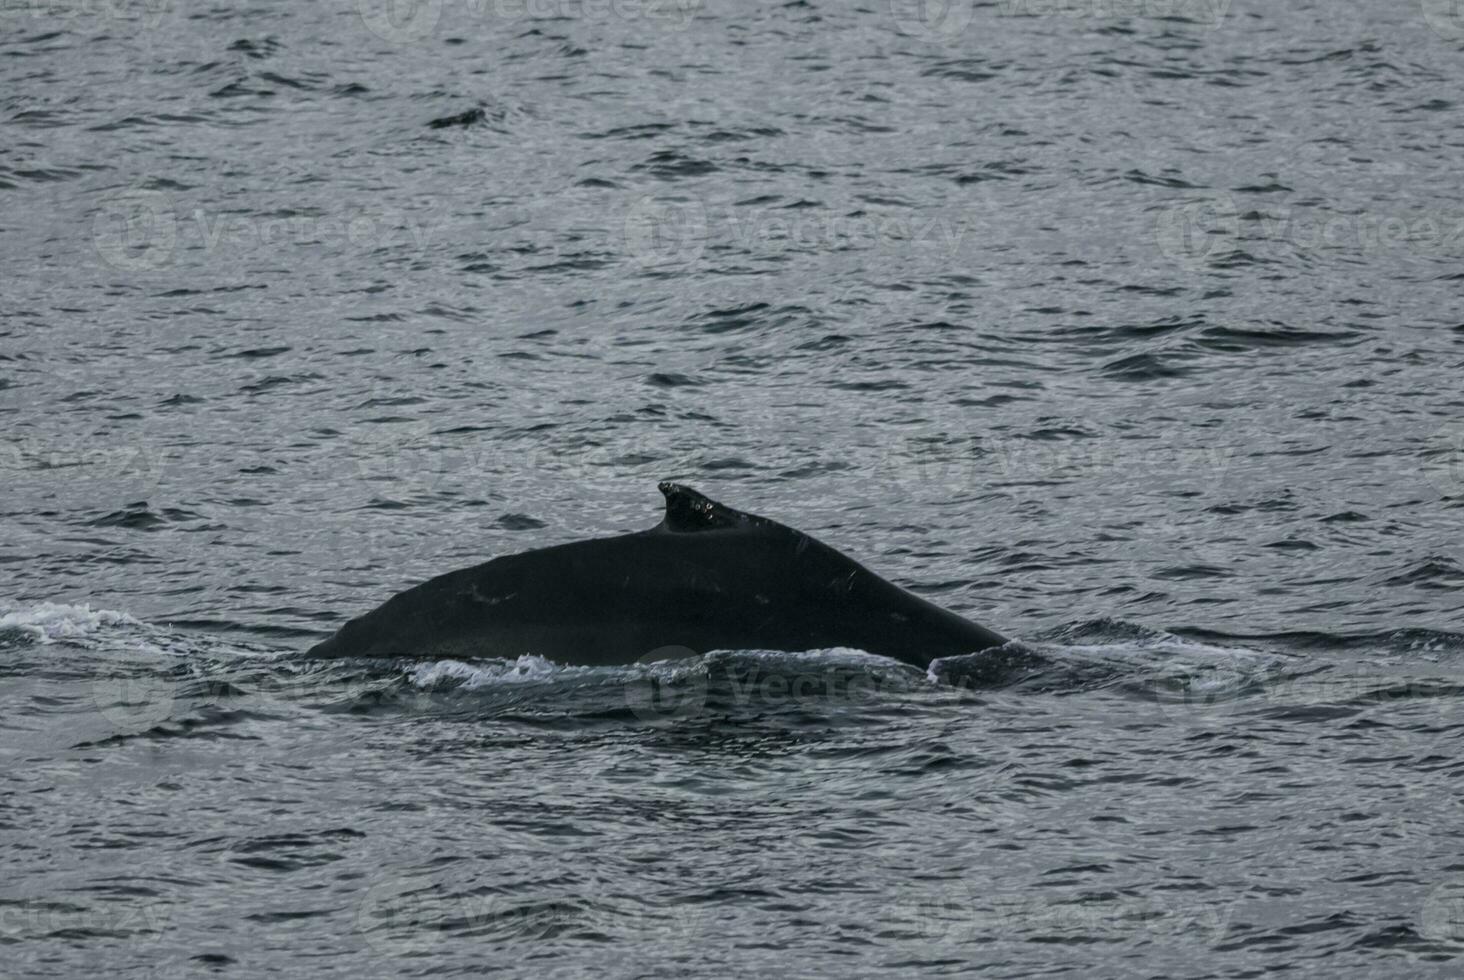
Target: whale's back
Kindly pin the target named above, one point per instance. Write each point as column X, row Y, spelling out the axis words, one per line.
column 707, row 577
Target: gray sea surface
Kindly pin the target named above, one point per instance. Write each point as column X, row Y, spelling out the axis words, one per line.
column 1129, row 328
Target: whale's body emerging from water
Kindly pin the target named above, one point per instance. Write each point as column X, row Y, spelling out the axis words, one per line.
column 706, row 578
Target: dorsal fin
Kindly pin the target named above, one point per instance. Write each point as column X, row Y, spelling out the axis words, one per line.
column 687, row 510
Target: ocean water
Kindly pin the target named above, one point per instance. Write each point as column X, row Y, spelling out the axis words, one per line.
column 1130, row 328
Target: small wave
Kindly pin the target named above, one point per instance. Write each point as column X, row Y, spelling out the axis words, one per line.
column 1139, row 661
column 1301, row 677
column 1005, row 666
column 830, row 656
column 53, row 622
column 1408, row 643
column 446, row 675
column 1150, row 662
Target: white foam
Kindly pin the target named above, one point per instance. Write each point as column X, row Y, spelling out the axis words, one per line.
column 531, row 668
column 457, row 674
column 1200, row 670
column 848, row 656
column 1173, row 648
column 50, row 622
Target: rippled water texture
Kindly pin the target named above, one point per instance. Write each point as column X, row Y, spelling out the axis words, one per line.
column 1131, row 329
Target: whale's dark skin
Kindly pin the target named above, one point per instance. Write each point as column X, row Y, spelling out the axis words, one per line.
column 706, row 578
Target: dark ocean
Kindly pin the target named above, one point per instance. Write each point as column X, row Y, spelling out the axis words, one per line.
column 1132, row 329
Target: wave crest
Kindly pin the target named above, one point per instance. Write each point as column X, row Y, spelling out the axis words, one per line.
column 54, row 622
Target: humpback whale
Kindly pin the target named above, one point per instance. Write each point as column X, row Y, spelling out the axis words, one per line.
column 706, row 578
